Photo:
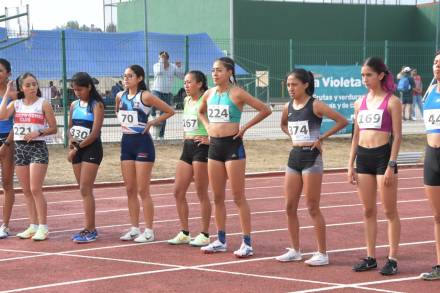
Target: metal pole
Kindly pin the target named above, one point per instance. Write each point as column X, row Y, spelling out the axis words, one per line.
column 365, row 31
column 437, row 25
column 186, row 54
column 231, row 28
column 103, row 12
column 147, row 78
column 64, row 80
column 386, row 52
column 290, row 54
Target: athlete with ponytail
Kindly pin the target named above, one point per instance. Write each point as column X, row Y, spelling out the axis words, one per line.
column 375, row 146
column 220, row 112
column 85, row 123
column 301, row 121
column 133, row 107
column 193, row 162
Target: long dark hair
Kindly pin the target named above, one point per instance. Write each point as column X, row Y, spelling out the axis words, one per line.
column 19, row 84
column 305, row 77
column 6, row 64
column 200, row 77
column 378, row 66
column 230, row 65
column 83, row 79
column 139, row 71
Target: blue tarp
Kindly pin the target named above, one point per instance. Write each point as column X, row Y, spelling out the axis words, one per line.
column 106, row 54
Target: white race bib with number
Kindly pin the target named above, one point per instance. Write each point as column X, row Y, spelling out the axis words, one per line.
column 79, row 133
column 22, row 129
column 128, row 118
column 190, row 123
column 370, row 119
column 432, row 119
column 218, row 113
column 299, row 130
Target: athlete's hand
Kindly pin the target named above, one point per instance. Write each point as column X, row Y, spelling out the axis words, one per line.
column 317, row 144
column 71, row 154
column 352, row 176
column 202, row 140
column 148, row 126
column 240, row 133
column 31, row 135
column 388, row 176
column 9, row 88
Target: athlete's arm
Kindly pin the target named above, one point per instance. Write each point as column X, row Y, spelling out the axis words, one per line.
column 6, row 110
column 395, row 109
column 98, row 113
column 50, row 118
column 354, row 144
column 203, row 109
column 151, row 100
column 246, row 99
column 284, row 121
column 321, row 109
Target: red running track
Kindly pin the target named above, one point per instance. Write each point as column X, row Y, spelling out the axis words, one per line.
column 109, row 265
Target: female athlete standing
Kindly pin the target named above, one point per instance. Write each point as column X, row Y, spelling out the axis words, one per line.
column 193, row 162
column 33, row 119
column 375, row 146
column 133, row 107
column 85, row 122
column 301, row 120
column 220, row 112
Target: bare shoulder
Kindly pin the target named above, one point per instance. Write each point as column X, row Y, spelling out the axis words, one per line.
column 394, row 100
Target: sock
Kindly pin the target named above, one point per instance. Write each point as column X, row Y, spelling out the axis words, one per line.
column 247, row 240
column 392, row 258
column 205, row 234
column 185, row 232
column 135, row 229
column 221, row 235
column 43, row 227
column 33, row 226
column 148, row 230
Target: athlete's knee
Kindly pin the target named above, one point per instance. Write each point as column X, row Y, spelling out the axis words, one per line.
column 391, row 214
column 370, row 212
column 36, row 191
column 240, row 200
column 85, row 190
column 291, row 209
column 313, row 208
column 219, row 199
column 8, row 186
column 437, row 219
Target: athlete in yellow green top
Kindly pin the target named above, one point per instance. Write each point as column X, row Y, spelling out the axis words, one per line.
column 193, row 162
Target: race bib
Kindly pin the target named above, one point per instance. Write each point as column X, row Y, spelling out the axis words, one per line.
column 128, row 118
column 432, row 119
column 299, row 130
column 22, row 129
column 218, row 113
column 79, row 133
column 190, row 123
column 370, row 119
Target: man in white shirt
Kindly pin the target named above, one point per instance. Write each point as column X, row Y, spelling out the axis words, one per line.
column 164, row 73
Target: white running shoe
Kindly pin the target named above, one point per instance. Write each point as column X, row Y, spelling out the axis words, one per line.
column 244, row 251
column 28, row 233
column 214, row 247
column 318, row 259
column 41, row 234
column 147, row 236
column 290, row 255
column 130, row 234
column 180, row 238
column 4, row 231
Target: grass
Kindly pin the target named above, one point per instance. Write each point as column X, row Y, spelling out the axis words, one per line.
column 262, row 155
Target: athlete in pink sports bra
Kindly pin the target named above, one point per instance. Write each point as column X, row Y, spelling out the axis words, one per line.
column 378, row 118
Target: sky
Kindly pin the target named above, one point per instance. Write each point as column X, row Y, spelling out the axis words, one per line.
column 48, row 14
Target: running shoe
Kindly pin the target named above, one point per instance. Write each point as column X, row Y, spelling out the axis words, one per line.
column 28, row 233
column 366, row 264
column 180, row 238
column 214, row 247
column 318, row 259
column 147, row 236
column 432, row 275
column 200, row 240
column 290, row 255
column 86, row 236
column 390, row 268
column 244, row 251
column 130, row 234
column 41, row 234
column 4, row 231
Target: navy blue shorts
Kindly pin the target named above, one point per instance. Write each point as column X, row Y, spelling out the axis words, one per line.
column 137, row 147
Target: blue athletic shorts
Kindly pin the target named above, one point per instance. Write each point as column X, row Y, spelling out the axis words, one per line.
column 137, row 147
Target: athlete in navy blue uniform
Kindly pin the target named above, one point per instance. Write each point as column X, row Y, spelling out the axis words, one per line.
column 133, row 107
column 85, row 123
column 6, row 152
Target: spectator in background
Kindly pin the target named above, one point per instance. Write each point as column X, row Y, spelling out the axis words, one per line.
column 116, row 88
column 417, row 94
column 164, row 73
column 55, row 97
column 405, row 88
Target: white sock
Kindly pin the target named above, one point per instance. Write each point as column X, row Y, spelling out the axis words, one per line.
column 43, row 227
column 135, row 229
column 148, row 230
column 33, row 226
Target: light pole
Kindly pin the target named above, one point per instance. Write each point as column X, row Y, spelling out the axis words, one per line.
column 147, row 79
